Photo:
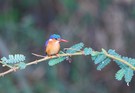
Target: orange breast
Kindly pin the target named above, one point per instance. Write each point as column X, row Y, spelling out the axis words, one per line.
column 52, row 47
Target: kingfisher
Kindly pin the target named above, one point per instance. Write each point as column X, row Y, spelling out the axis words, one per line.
column 52, row 45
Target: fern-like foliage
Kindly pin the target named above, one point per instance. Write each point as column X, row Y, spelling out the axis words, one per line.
column 55, row 61
column 87, row 51
column 112, row 52
column 75, row 48
column 125, row 71
column 101, row 59
column 13, row 59
column 103, row 64
column 120, row 74
column 22, row 65
column 128, row 75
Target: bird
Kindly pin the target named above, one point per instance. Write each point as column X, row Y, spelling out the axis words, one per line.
column 52, row 45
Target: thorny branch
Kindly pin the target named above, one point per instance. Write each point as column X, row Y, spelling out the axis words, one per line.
column 44, row 58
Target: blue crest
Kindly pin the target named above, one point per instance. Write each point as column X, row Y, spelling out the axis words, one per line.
column 55, row 36
column 51, row 37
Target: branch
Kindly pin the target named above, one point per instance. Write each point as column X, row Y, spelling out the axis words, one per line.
column 6, row 65
column 12, row 69
column 102, row 59
column 40, row 60
column 119, row 59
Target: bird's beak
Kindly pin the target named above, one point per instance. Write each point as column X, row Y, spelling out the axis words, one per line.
column 63, row 40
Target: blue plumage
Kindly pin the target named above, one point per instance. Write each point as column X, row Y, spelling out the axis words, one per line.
column 52, row 45
column 55, row 36
column 46, row 43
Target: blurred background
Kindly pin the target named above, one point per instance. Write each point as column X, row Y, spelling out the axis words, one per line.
column 26, row 24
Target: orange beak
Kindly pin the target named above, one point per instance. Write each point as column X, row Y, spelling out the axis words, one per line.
column 63, row 40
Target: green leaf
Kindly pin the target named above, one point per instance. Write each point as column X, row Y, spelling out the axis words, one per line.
column 103, row 64
column 75, row 48
column 99, row 58
column 22, row 65
column 121, row 65
column 128, row 75
column 93, row 58
column 87, row 51
column 13, row 59
column 120, row 73
column 112, row 52
column 55, row 61
column 131, row 61
column 95, row 53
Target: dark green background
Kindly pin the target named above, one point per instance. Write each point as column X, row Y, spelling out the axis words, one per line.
column 25, row 25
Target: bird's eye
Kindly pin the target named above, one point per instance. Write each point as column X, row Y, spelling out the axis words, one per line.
column 56, row 38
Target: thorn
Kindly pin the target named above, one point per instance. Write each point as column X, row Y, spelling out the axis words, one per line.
column 83, row 52
column 14, row 69
column 3, row 65
column 36, row 62
column 57, row 55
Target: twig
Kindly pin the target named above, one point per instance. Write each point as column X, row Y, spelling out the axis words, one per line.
column 38, row 55
column 62, row 55
column 8, row 71
column 119, row 59
column 40, row 60
column 6, row 65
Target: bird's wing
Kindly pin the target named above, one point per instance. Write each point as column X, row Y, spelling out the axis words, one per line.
column 45, row 46
column 46, row 43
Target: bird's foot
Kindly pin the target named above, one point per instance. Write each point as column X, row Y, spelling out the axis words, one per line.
column 57, row 55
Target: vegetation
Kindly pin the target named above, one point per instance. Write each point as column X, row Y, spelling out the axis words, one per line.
column 25, row 25
column 103, row 58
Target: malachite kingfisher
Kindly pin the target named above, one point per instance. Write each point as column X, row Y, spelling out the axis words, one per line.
column 52, row 45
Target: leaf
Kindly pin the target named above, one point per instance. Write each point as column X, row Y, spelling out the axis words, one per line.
column 128, row 75
column 131, row 61
column 125, row 58
column 22, row 65
column 113, row 53
column 120, row 74
column 103, row 64
column 87, row 51
column 95, row 53
column 55, row 61
column 13, row 59
column 75, row 48
column 93, row 58
column 99, row 58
